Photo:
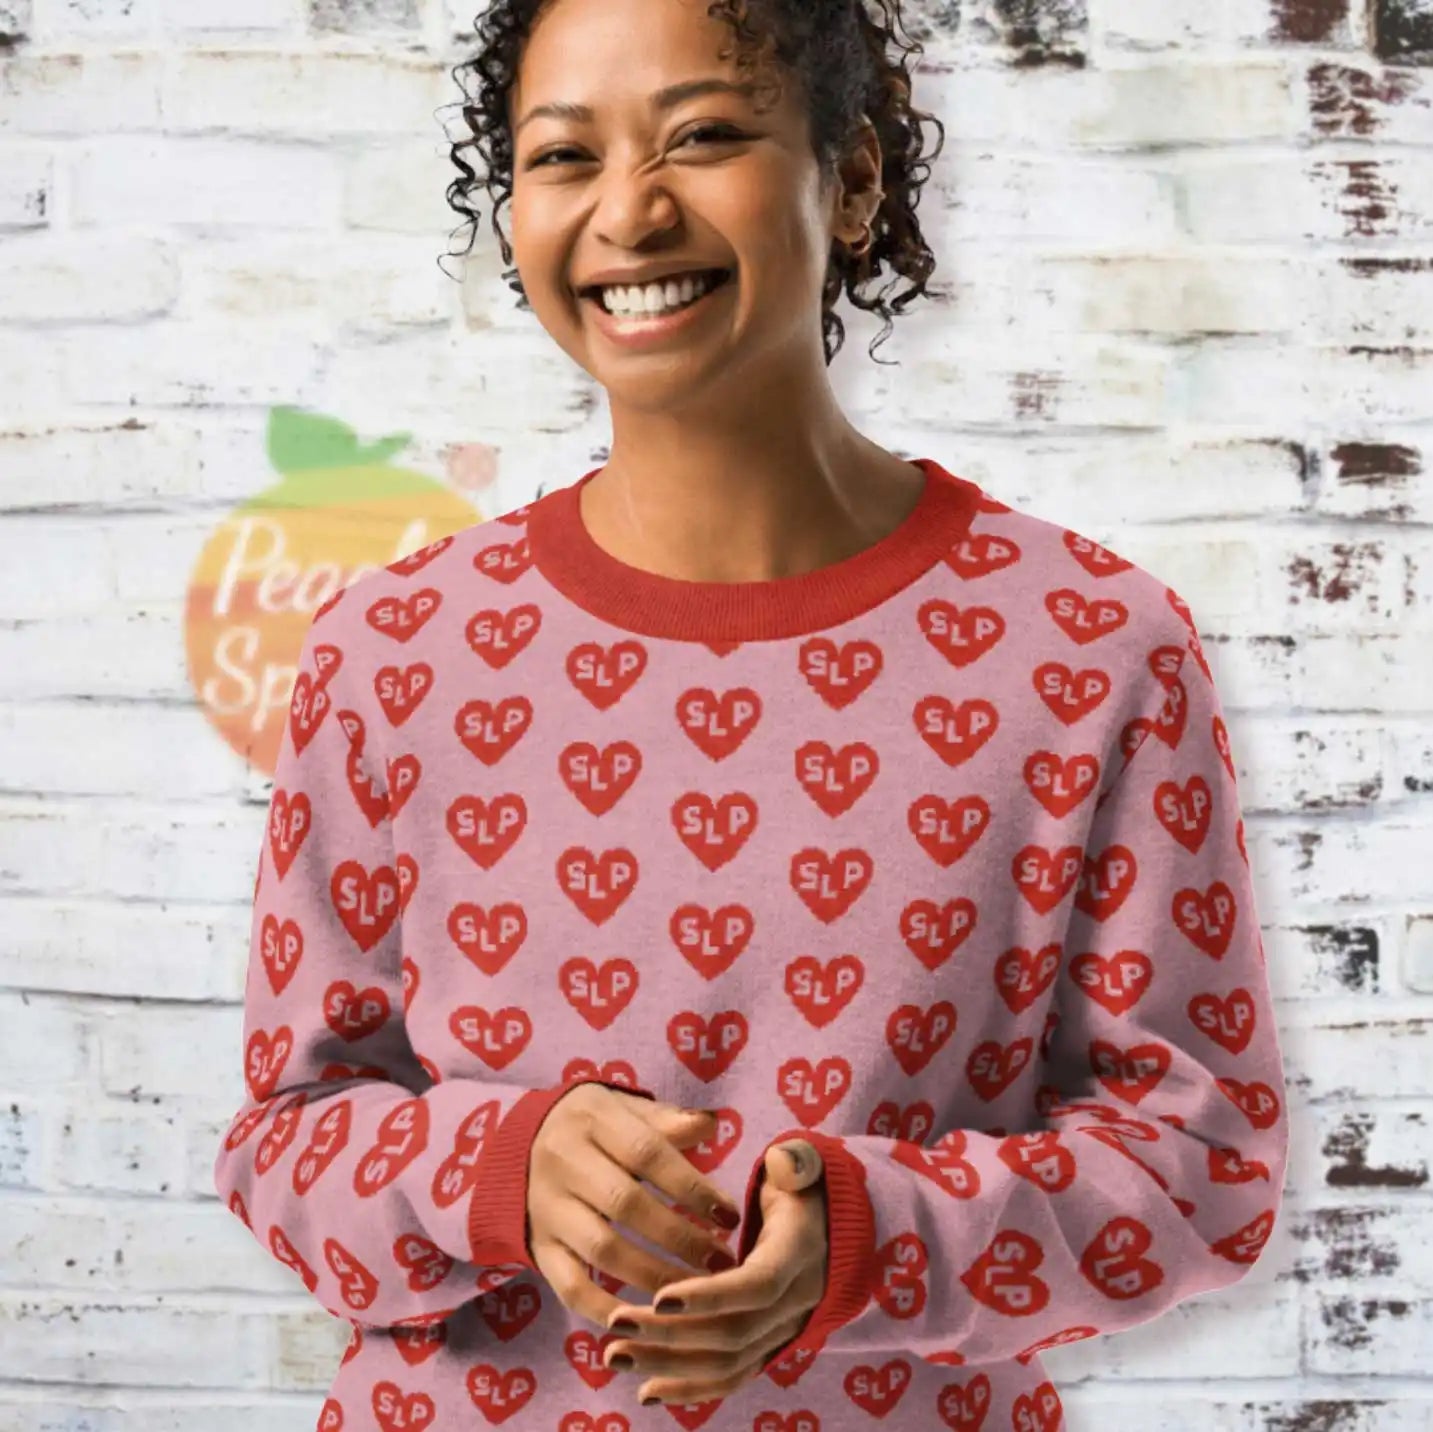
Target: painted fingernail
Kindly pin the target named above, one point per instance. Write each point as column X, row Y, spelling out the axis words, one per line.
column 727, row 1217
column 623, row 1325
column 649, row 1399
column 620, row 1360
column 719, row 1261
column 668, row 1305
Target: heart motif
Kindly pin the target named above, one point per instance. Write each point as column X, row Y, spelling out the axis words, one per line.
column 1229, row 1021
column 821, row 991
column 327, row 1139
column 912, row 1124
column 1038, row 1411
column 425, row 1263
column 943, row 1163
column 509, row 1308
column 933, row 933
column 1003, row 1277
column 402, row 618
column 485, row 830
column 718, row 724
column 457, row 1174
column 877, row 1390
column 400, row 1138
column 963, row 1407
column 499, row 1395
column 365, row 901
column 281, row 947
column 947, row 829
column 488, row 937
column 978, row 554
column 599, row 993
column 1061, row 783
column 504, row 561
column 1022, row 976
column 1115, row 982
column 1114, row 1261
column 1256, row 1101
column 711, row 1153
column 1083, row 620
column 1098, row 561
column 1041, row 1157
column 1230, row 1166
column 1071, row 695
column 264, row 1058
column 714, row 830
column 1130, row 1074
column 584, row 1351
column 490, row 729
column 1044, row 876
column 898, row 1276
column 398, row 1411
column 281, row 1133
column 961, row 635
column 707, row 1047
column 400, row 689
column 497, row 1038
column 416, row 1343
column 830, row 884
column 414, row 562
column 836, row 778
column 605, row 674
column 499, row 637
column 917, row 1035
column 353, row 1013
column 307, row 708
column 1185, row 811
column 812, row 1092
column 1245, row 1244
column 993, row 1067
column 290, row 817
column 839, row 674
column 1106, row 881
column 404, row 773
column 1206, row 917
column 955, row 732
column 711, row 940
column 357, row 1287
column 597, row 882
column 599, row 779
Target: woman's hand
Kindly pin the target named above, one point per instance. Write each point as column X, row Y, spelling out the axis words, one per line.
column 735, row 1322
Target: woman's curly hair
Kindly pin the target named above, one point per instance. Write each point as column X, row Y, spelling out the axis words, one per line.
column 844, row 58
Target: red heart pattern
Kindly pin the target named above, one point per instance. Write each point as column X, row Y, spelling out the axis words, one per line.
column 933, row 857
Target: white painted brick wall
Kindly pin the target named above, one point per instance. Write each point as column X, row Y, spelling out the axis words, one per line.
column 1184, row 304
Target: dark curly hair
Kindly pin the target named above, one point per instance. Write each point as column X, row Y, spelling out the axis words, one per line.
column 839, row 51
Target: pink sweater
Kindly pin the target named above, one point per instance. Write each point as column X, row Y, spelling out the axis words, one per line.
column 932, row 856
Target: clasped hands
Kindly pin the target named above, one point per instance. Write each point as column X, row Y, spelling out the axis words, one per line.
column 731, row 1324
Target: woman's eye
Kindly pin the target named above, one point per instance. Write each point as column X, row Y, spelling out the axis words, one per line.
column 719, row 131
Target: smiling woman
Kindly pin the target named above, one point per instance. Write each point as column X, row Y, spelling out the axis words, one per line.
column 839, row 67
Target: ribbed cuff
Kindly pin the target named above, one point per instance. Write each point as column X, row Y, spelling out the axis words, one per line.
column 850, row 1233
column 497, row 1209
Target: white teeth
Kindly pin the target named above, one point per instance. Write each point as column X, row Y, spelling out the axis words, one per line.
column 656, row 298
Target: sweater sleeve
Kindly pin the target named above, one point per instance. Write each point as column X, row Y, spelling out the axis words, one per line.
column 1151, row 1169
column 396, row 1196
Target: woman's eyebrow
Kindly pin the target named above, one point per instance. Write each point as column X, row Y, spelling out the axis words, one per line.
column 663, row 99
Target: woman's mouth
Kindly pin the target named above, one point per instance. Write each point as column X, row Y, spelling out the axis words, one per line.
column 640, row 327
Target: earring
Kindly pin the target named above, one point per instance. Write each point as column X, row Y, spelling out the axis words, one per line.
column 865, row 245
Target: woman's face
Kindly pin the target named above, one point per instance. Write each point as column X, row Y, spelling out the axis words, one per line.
column 704, row 182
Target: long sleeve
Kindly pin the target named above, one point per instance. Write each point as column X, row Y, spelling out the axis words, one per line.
column 395, row 1196
column 1152, row 1167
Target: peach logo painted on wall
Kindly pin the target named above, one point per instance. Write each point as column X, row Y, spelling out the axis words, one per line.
column 339, row 509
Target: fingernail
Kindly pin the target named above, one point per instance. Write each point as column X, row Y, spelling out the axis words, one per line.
column 620, row 1360
column 794, row 1157
column 719, row 1261
column 623, row 1325
column 668, row 1305
column 649, row 1399
column 727, row 1217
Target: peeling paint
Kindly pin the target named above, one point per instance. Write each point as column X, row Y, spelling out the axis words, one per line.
column 1372, row 198
column 1353, row 569
column 1320, row 1417
column 1035, row 394
column 1347, row 1149
column 1307, row 22
column 1351, row 953
column 1403, row 30
column 1344, row 99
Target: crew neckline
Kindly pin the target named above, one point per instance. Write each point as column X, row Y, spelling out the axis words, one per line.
column 651, row 604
